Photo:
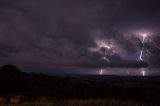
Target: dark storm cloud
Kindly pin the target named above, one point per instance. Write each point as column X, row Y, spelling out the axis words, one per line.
column 59, row 32
column 133, row 12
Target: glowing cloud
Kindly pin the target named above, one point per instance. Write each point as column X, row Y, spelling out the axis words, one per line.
column 106, row 46
column 103, row 44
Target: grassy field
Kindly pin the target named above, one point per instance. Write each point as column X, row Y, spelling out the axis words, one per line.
column 87, row 102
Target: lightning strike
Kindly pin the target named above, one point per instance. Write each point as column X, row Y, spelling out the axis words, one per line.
column 143, row 72
column 141, row 52
column 101, row 72
column 141, row 55
column 144, row 37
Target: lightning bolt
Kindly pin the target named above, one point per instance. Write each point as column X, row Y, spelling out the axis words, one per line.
column 141, row 55
column 143, row 72
column 101, row 72
column 141, row 52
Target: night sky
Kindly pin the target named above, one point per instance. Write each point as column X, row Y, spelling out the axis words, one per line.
column 49, row 33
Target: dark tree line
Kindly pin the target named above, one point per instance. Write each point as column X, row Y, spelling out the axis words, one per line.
column 35, row 85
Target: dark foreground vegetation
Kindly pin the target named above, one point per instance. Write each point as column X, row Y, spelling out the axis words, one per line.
column 77, row 102
column 30, row 87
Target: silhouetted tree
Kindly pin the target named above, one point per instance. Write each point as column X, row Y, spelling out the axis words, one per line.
column 9, row 69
